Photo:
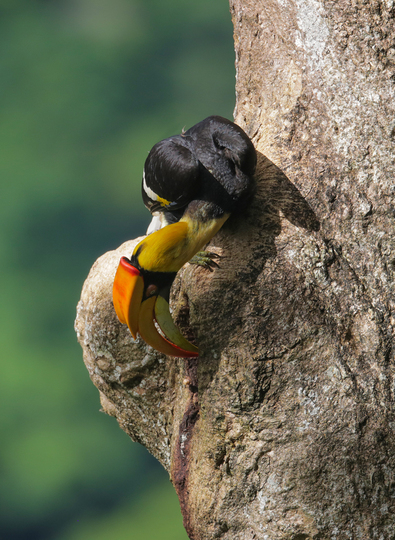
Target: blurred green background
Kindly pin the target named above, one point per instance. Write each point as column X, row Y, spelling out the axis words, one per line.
column 87, row 87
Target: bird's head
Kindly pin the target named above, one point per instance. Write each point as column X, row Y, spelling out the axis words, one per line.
column 140, row 298
column 194, row 181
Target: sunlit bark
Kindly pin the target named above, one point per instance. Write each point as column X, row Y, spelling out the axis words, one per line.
column 284, row 427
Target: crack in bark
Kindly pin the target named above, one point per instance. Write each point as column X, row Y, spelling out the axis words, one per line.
column 302, row 286
column 181, row 461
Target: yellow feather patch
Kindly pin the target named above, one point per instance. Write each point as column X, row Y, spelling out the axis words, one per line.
column 168, row 249
column 163, row 202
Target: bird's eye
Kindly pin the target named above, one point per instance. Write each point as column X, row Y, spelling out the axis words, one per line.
column 151, row 290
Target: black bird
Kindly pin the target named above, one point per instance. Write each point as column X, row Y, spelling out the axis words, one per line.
column 191, row 184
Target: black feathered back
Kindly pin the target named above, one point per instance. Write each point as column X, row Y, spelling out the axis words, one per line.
column 213, row 161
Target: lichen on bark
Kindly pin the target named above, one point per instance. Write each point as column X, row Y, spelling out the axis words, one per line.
column 284, row 427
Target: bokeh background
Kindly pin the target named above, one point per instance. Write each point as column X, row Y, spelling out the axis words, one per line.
column 86, row 88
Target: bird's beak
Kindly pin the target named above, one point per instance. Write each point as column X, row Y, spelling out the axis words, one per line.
column 141, row 313
column 127, row 294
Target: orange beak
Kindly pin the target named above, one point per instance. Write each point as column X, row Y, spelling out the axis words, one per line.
column 140, row 313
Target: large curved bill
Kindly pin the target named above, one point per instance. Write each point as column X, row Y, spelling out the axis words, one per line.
column 170, row 330
column 127, row 294
column 148, row 331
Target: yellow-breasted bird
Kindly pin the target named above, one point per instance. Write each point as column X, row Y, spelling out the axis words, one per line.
column 191, row 184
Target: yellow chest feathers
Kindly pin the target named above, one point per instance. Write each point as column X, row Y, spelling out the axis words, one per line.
column 168, row 249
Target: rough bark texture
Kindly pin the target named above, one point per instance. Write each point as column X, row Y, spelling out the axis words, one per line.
column 284, row 426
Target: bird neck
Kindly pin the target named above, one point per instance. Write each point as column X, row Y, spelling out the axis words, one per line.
column 168, row 249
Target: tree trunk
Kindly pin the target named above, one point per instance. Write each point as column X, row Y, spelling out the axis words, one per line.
column 283, row 428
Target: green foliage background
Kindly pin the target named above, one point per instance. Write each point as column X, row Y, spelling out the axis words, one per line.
column 87, row 87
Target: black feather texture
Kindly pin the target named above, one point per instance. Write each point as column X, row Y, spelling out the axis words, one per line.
column 213, row 161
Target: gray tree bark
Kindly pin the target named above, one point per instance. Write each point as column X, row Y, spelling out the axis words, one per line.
column 283, row 428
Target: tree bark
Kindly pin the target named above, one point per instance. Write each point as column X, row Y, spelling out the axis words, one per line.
column 283, row 428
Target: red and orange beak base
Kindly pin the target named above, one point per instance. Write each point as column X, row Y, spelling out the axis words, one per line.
column 140, row 313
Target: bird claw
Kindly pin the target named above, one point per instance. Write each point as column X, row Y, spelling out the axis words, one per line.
column 205, row 259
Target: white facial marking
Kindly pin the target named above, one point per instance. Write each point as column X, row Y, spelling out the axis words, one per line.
column 155, row 224
column 151, row 194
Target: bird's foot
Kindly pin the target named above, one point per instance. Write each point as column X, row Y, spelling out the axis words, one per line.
column 205, row 259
